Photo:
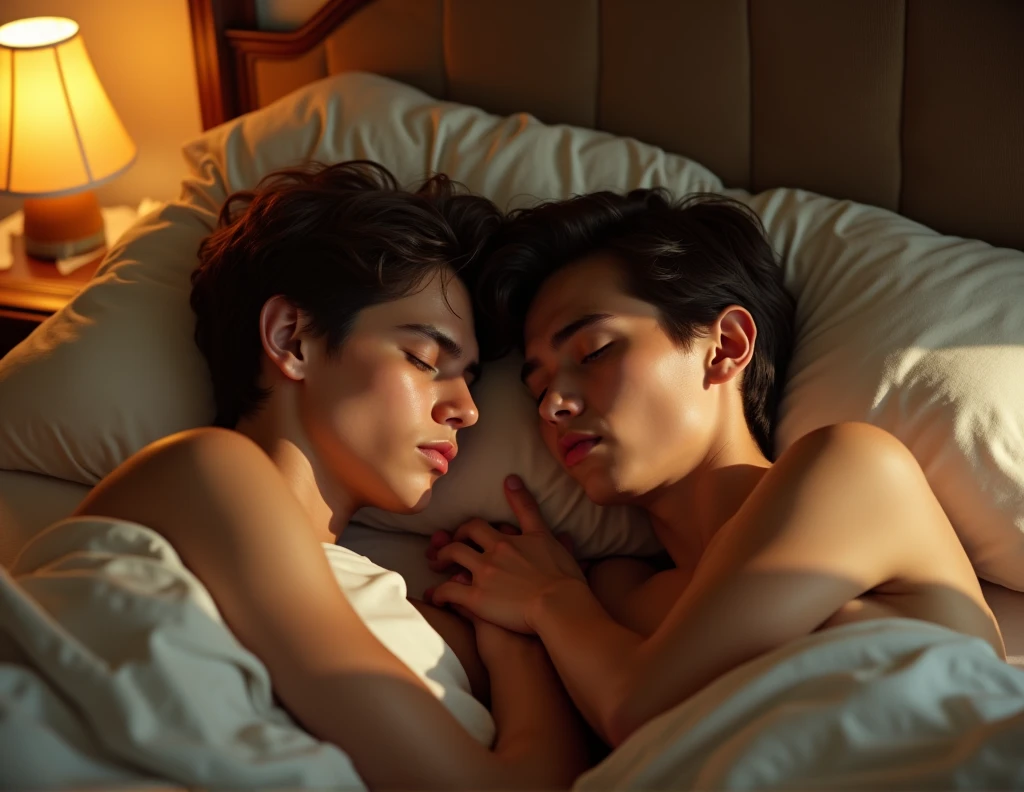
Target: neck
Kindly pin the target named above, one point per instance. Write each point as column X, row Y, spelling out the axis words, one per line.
column 276, row 430
column 688, row 513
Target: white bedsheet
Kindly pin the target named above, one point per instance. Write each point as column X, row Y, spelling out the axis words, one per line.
column 891, row 704
column 115, row 668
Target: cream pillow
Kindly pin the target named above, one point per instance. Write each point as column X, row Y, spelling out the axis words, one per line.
column 127, row 371
column 922, row 335
column 116, row 368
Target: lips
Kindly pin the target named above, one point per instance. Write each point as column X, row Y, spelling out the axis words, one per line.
column 575, row 446
column 439, row 455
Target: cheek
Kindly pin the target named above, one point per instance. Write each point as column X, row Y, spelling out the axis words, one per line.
column 658, row 401
column 371, row 407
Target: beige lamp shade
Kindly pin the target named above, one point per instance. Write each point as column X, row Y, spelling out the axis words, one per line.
column 59, row 132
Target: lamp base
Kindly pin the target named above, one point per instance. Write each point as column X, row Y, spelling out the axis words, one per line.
column 57, row 228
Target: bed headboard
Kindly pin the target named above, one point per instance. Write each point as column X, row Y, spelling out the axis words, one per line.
column 912, row 105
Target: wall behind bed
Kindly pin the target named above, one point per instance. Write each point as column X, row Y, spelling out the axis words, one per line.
column 911, row 105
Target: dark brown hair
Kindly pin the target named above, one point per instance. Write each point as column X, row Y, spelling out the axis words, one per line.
column 332, row 240
column 690, row 259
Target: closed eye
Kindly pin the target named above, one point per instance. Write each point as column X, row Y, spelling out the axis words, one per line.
column 586, row 359
column 597, row 353
column 419, row 363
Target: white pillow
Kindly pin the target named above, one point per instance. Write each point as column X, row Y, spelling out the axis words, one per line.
column 922, row 335
column 965, row 429
column 117, row 367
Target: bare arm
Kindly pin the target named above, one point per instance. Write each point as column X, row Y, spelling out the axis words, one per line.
column 223, row 505
column 537, row 724
column 458, row 633
column 845, row 510
column 635, row 593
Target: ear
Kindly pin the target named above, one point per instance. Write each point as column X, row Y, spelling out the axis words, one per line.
column 282, row 336
column 731, row 340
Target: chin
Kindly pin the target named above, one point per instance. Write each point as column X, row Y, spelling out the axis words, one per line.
column 418, row 501
column 408, row 500
column 601, row 489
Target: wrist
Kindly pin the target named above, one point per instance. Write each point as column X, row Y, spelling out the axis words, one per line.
column 503, row 645
column 558, row 600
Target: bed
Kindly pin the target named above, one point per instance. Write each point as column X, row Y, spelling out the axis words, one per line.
column 912, row 107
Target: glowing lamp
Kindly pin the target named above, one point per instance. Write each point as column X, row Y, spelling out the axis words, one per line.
column 59, row 135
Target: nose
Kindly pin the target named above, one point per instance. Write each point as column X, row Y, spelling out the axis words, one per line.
column 559, row 406
column 456, row 408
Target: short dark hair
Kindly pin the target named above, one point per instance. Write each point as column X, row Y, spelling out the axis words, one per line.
column 332, row 240
column 690, row 259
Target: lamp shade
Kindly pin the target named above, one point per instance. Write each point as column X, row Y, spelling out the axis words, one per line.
column 59, row 133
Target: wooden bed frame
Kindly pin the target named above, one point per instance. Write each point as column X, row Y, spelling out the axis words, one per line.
column 226, row 41
column 871, row 102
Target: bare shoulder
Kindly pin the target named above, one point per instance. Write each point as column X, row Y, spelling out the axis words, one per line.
column 847, row 500
column 855, row 464
column 854, row 447
column 205, row 445
column 200, row 469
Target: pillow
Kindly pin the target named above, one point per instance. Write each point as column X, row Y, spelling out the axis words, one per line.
column 123, row 357
column 28, row 504
column 922, row 335
column 118, row 368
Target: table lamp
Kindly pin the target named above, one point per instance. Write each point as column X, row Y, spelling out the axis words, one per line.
column 59, row 135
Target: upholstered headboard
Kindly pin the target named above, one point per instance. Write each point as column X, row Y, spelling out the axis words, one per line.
column 912, row 105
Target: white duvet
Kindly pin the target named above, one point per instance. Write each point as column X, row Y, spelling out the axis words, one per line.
column 116, row 669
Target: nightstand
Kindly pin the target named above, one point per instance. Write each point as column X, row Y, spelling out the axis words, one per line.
column 31, row 290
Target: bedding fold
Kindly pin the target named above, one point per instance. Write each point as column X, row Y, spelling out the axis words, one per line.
column 116, row 667
column 889, row 704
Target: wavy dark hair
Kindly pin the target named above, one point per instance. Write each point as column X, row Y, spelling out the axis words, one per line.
column 333, row 240
column 690, row 259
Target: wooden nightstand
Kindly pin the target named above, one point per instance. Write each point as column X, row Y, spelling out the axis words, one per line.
column 31, row 290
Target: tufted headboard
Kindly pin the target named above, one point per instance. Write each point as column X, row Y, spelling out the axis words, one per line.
column 911, row 105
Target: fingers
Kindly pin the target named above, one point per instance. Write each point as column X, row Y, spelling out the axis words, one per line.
column 454, row 594
column 464, row 613
column 428, row 596
column 461, row 554
column 567, row 543
column 463, row 578
column 476, row 531
column 479, row 532
column 524, row 506
column 438, row 540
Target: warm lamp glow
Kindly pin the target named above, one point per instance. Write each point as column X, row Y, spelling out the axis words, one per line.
column 59, row 132
column 37, row 32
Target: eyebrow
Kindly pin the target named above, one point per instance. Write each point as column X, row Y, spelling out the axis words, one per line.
column 560, row 337
column 448, row 344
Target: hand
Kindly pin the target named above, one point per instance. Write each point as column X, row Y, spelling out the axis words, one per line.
column 494, row 644
column 508, row 574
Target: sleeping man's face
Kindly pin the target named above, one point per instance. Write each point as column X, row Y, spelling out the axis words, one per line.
column 382, row 412
column 622, row 406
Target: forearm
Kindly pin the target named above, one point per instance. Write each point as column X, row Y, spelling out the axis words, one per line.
column 371, row 706
column 597, row 658
column 541, row 738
